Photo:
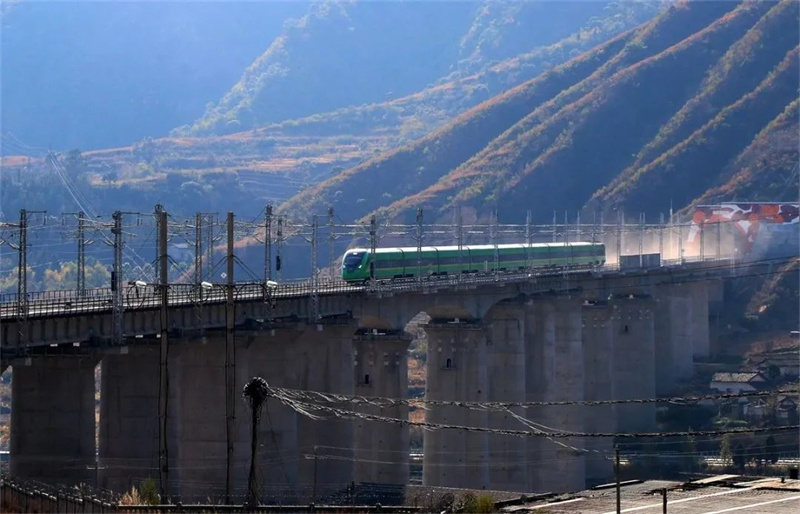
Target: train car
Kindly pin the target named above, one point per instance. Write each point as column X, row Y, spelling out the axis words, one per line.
column 389, row 263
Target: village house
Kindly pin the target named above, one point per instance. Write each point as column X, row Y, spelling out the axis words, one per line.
column 738, row 382
column 775, row 365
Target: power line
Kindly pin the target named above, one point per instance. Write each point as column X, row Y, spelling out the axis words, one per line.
column 310, row 410
column 384, row 402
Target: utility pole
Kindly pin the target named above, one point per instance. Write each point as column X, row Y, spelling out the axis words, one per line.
column 314, row 486
column 81, row 255
column 620, row 226
column 702, row 240
column 496, row 249
column 163, row 380
column 278, row 243
column 313, row 298
column 211, row 220
column 22, row 274
column 641, row 238
column 528, row 239
column 528, row 220
column 616, row 477
column 22, row 266
column 602, row 223
column 419, row 244
column 230, row 366
column 116, row 277
column 331, row 250
column 373, row 243
column 578, row 227
column 460, row 236
column 268, row 243
column 198, row 253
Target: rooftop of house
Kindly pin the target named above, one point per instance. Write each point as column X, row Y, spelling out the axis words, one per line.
column 739, row 377
column 717, row 494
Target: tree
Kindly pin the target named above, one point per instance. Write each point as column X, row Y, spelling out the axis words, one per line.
column 75, row 165
column 690, row 449
column 725, row 450
column 771, row 450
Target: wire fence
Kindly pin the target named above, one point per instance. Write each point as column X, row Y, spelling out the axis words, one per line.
column 18, row 495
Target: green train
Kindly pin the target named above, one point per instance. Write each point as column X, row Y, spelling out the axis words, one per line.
column 390, row 263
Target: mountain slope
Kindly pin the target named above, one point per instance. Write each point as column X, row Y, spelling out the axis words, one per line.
column 403, row 171
column 705, row 76
column 342, row 53
column 697, row 162
column 371, row 62
column 767, row 169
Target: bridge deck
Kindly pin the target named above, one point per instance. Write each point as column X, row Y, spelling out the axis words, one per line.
column 101, row 300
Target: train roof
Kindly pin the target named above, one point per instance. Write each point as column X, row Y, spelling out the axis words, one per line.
column 413, row 249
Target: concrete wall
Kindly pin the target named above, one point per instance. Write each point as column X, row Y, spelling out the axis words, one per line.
column 456, row 371
column 554, row 372
column 324, row 362
column 381, row 369
column 128, row 450
column 505, row 357
column 674, row 350
column 52, row 420
column 271, row 357
column 698, row 293
column 598, row 360
column 196, row 422
column 634, row 363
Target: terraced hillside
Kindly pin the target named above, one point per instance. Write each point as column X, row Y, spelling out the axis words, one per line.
column 506, row 44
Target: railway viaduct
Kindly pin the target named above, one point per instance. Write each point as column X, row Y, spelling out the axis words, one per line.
column 174, row 363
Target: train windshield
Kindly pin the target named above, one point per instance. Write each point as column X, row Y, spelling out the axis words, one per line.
column 352, row 260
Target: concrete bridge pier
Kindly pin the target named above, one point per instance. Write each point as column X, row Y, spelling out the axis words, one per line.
column 456, row 372
column 381, row 369
column 598, row 349
column 716, row 305
column 634, row 363
column 196, row 421
column 128, row 450
column 52, row 421
column 505, row 356
column 324, row 362
column 270, row 355
column 554, row 372
column 701, row 342
column 674, row 351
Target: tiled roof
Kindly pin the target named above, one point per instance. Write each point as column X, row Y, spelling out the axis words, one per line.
column 738, row 377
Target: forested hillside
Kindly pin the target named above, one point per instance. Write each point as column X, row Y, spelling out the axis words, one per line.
column 353, row 55
column 699, row 101
column 274, row 161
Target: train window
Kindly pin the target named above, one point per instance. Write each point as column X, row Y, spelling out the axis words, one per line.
column 352, row 260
